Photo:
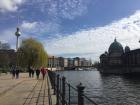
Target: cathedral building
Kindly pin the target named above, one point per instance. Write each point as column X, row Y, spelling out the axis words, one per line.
column 119, row 61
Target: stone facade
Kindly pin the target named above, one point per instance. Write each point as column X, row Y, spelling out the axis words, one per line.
column 131, row 60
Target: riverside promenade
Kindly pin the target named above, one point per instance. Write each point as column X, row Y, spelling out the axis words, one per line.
column 25, row 90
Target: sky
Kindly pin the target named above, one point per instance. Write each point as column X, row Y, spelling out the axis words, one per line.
column 72, row 28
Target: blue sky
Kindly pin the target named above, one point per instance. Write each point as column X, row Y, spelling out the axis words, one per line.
column 72, row 28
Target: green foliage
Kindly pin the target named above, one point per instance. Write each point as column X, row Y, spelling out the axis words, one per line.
column 4, row 70
column 31, row 53
column 4, row 60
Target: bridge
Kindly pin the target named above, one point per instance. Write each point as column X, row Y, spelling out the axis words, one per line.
column 79, row 68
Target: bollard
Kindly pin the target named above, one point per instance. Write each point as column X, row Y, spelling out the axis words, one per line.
column 57, row 89
column 80, row 89
column 63, row 90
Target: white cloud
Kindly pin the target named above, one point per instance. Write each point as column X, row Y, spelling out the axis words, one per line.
column 9, row 5
column 85, row 43
column 68, row 9
column 39, row 28
column 93, row 42
column 28, row 25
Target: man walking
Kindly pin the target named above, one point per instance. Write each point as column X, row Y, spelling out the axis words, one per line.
column 13, row 71
column 17, row 72
column 30, row 72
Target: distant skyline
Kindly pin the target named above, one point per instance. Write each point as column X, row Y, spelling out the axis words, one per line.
column 71, row 28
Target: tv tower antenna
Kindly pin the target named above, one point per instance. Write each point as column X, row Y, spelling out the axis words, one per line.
column 17, row 33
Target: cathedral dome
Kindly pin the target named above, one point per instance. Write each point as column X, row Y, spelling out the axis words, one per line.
column 115, row 47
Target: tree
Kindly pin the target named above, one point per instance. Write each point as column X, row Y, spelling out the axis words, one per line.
column 31, row 53
column 96, row 64
column 4, row 60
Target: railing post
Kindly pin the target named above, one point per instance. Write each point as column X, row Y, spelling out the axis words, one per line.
column 80, row 89
column 63, row 90
column 57, row 88
column 52, row 76
column 69, row 93
column 54, row 84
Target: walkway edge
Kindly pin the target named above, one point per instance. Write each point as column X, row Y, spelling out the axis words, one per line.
column 52, row 97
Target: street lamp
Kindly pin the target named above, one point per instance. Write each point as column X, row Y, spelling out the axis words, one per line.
column 17, row 33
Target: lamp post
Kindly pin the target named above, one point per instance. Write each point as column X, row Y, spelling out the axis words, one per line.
column 17, row 33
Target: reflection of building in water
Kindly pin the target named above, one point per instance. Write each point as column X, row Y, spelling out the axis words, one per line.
column 119, row 60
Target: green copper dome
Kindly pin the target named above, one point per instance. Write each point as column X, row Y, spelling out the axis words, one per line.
column 115, row 47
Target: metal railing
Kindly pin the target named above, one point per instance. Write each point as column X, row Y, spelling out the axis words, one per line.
column 66, row 94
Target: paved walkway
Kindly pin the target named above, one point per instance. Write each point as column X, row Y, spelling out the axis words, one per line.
column 25, row 91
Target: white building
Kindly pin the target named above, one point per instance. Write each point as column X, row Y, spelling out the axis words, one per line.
column 4, row 46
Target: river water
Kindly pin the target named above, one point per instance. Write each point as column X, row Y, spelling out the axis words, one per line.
column 106, row 89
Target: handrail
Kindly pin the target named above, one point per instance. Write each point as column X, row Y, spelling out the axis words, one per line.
column 59, row 86
column 89, row 99
column 71, row 86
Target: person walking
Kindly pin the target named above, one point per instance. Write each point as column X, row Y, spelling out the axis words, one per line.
column 13, row 71
column 17, row 72
column 32, row 72
column 37, row 73
column 43, row 71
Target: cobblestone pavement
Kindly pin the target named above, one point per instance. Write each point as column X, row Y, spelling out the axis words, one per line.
column 24, row 91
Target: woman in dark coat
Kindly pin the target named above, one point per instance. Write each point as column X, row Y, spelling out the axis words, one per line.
column 37, row 73
column 32, row 73
column 43, row 71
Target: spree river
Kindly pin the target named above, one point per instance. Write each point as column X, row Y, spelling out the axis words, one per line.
column 106, row 89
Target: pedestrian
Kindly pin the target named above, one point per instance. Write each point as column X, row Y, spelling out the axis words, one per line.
column 17, row 72
column 13, row 71
column 37, row 73
column 46, row 70
column 32, row 72
column 43, row 71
